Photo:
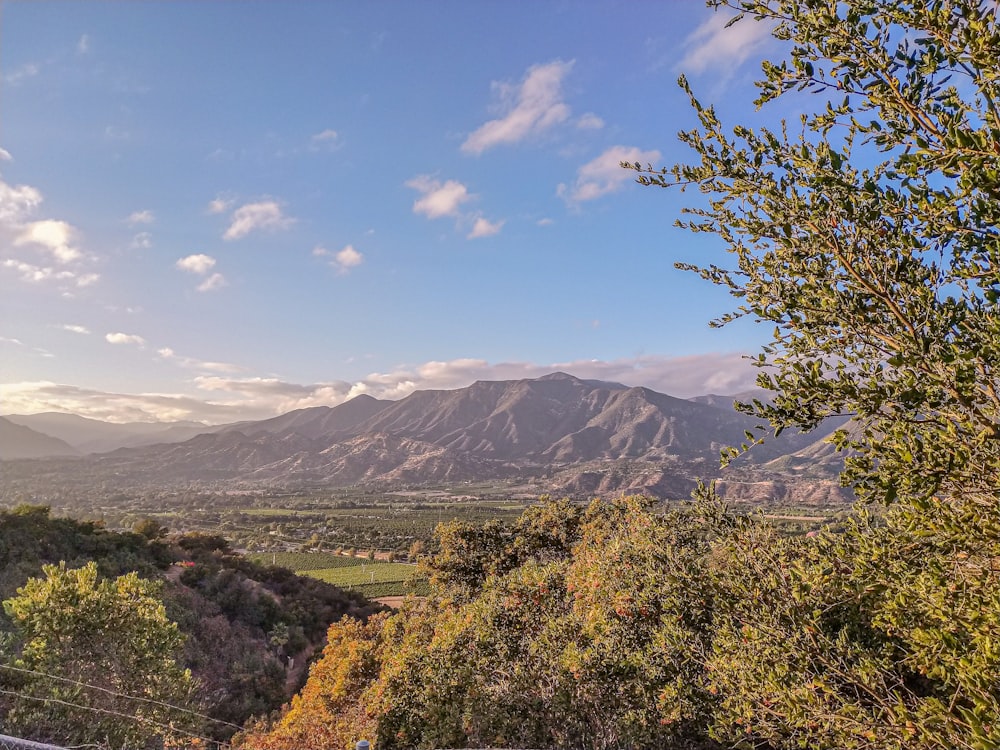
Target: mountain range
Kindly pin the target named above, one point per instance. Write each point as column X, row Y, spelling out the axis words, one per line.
column 559, row 432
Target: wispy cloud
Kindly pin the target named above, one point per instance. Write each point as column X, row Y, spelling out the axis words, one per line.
column 72, row 328
column 251, row 217
column 142, row 241
column 124, row 338
column 484, row 228
column 5, row 155
column 168, row 354
column 140, row 217
column 527, row 109
column 589, row 121
column 213, row 282
column 220, row 205
column 438, row 199
column 605, row 174
column 328, row 139
column 22, row 73
column 83, row 45
column 712, row 46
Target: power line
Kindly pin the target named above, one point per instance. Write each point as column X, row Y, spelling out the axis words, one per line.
column 119, row 695
column 119, row 714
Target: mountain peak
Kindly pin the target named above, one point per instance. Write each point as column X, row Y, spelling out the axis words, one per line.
column 559, row 375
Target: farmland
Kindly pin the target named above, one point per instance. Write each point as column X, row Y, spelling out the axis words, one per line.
column 372, row 578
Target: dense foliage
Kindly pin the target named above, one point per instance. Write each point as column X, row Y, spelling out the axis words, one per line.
column 868, row 235
column 244, row 631
column 95, row 652
column 624, row 624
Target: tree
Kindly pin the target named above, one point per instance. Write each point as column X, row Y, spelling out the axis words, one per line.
column 871, row 237
column 98, row 662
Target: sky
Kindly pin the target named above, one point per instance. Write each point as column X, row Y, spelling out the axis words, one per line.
column 224, row 210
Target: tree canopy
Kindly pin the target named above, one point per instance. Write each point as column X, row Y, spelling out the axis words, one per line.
column 99, row 661
column 868, row 234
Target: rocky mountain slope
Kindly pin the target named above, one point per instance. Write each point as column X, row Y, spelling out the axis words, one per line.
column 563, row 433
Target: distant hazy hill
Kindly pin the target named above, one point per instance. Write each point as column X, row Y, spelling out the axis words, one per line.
column 94, row 436
column 17, row 441
column 563, row 433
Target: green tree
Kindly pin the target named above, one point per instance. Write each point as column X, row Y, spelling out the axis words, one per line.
column 98, row 662
column 869, row 234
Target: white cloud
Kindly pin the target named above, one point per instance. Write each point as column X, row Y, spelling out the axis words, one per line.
column 83, row 330
column 83, row 45
column 33, row 274
column 142, row 241
column 124, row 338
column 5, row 155
column 141, row 217
column 219, row 205
column 251, row 217
column 258, row 398
column 199, row 263
column 168, row 354
column 213, row 282
column 54, row 236
column 713, row 46
column 343, row 260
column 484, row 228
column 41, row 396
column 529, row 109
column 438, row 198
column 589, row 121
column 545, row 222
column 605, row 174
column 17, row 202
column 720, row 373
column 348, row 258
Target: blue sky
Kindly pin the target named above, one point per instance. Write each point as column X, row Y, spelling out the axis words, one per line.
column 226, row 210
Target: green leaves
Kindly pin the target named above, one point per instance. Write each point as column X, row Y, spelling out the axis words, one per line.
column 103, row 649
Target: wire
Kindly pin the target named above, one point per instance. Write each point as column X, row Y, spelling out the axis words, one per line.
column 119, row 695
column 119, row 714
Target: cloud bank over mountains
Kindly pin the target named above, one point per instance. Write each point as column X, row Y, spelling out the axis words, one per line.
column 230, row 398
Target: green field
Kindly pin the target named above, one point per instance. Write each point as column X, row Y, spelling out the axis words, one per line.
column 370, row 578
column 375, row 579
column 303, row 561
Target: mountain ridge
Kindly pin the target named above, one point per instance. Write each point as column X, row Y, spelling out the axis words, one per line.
column 584, row 435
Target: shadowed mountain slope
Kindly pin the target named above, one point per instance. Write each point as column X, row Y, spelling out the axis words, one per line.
column 18, row 441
